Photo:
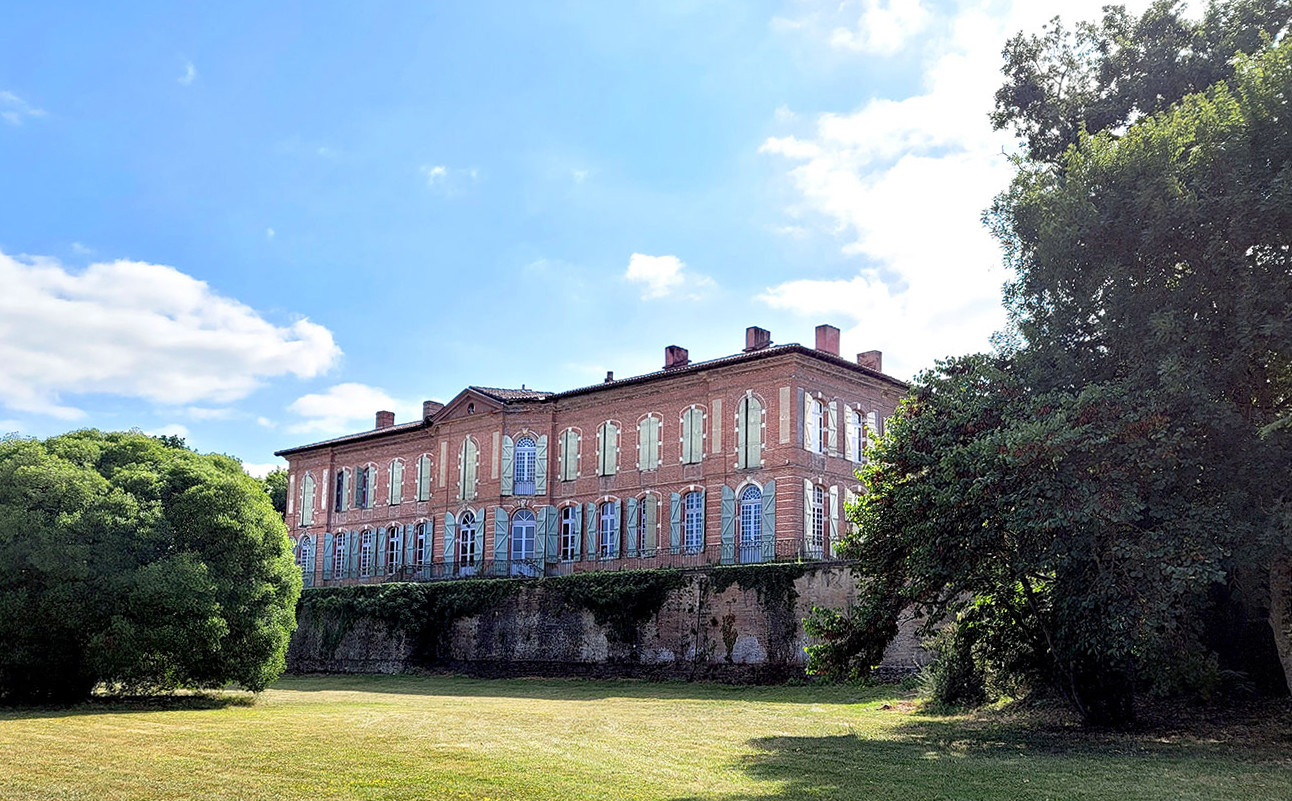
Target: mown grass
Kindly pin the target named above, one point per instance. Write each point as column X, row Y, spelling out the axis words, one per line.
column 458, row 738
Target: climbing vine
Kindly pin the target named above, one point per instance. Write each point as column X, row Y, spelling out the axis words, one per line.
column 774, row 582
column 621, row 600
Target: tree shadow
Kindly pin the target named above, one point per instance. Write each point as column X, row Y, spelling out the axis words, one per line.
column 123, row 704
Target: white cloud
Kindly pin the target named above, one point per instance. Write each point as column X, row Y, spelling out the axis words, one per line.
column 266, row 422
column 14, row 110
column 884, row 27
column 270, row 233
column 81, row 250
column 190, row 72
column 437, row 174
column 202, row 413
column 171, row 430
column 783, row 114
column 140, row 330
column 347, row 407
column 904, row 182
column 261, row 470
column 661, row 275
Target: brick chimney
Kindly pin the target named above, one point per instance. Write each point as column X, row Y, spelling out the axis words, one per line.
column 385, row 419
column 675, row 356
column 610, row 376
column 872, row 359
column 430, row 407
column 757, row 338
column 827, row 339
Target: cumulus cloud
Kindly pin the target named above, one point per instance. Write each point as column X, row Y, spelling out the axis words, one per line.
column 904, row 183
column 884, row 27
column 139, row 330
column 190, row 72
column 435, row 174
column 347, row 407
column 662, row 276
column 14, row 110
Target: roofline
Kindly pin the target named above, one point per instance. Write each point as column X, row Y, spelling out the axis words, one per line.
column 697, row 367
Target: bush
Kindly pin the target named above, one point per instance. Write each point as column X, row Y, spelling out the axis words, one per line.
column 954, row 680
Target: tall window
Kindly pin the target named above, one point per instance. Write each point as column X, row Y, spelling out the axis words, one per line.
column 648, row 444
column 856, row 435
column 569, row 534
column 872, row 428
column 338, row 555
column 365, row 553
column 396, row 482
column 816, row 426
column 569, row 454
column 468, row 465
column 340, row 490
column 467, row 539
column 751, row 525
column 692, row 435
column 816, row 542
column 526, row 450
column 523, row 530
column 362, row 478
column 749, row 432
column 392, row 550
column 307, row 500
column 424, row 478
column 421, row 544
column 609, row 530
column 607, row 449
column 694, row 522
column 305, row 555
column 645, row 522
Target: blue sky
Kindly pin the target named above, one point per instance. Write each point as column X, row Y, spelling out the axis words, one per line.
column 254, row 224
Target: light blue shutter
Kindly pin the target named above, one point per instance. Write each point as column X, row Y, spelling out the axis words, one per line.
column 553, row 553
column 482, row 525
column 650, row 539
column 508, row 464
column 450, row 537
column 352, row 560
column 578, row 528
column 728, row 531
column 592, row 522
column 380, row 561
column 540, row 534
column 327, row 555
column 630, row 512
column 410, row 545
column 769, row 521
column 402, row 533
column 540, row 466
column 674, row 523
column 617, row 529
column 500, row 535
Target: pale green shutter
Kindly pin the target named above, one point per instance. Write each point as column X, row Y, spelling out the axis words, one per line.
column 652, row 443
column 540, row 534
column 612, row 449
column 807, row 512
column 540, row 468
column 396, row 482
column 697, row 435
column 424, row 478
column 601, row 450
column 742, row 432
column 352, row 560
column 327, row 555
column 553, row 534
column 832, row 427
column 754, row 440
column 650, row 538
column 450, row 537
column 704, row 521
column 686, row 437
column 473, row 468
column 380, row 561
column 643, row 437
column 500, row 535
column 769, row 521
column 578, row 529
column 805, row 430
column 592, row 523
column 410, row 545
column 834, row 519
column 630, row 514
column 508, row 464
column 728, row 530
column 674, row 523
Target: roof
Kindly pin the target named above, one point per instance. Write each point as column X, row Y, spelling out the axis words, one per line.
column 507, row 396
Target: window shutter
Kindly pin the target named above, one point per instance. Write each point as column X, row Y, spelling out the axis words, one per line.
column 327, row 555
column 553, row 534
column 643, row 437
column 742, row 432
column 697, row 434
column 578, row 529
column 592, row 522
column 834, row 518
column 601, row 449
column 807, row 512
column 612, row 449
column 656, row 426
column 508, row 464
column 402, row 534
column 715, row 430
column 848, row 435
column 755, row 441
column 769, row 521
column 450, row 537
column 473, row 469
column 674, row 523
column 396, row 482
column 500, row 535
column 686, row 437
column 832, row 427
column 630, row 518
column 352, row 560
column 462, row 471
column 540, row 534
column 410, row 545
column 728, row 530
column 540, row 467
column 424, row 478
column 805, row 430
column 380, row 561
column 650, row 537
column 704, row 523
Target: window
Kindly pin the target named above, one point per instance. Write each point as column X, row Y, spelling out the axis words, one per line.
column 648, row 444
column 749, row 432
column 569, row 534
column 422, row 543
column 340, row 490
column 872, row 428
column 816, row 426
column 392, row 550
column 694, row 504
column 467, row 539
column 338, row 555
column 751, row 525
column 816, row 540
column 646, row 525
column 361, row 481
column 609, row 530
column 569, row 454
column 365, row 553
column 424, row 478
column 396, row 482
column 523, row 529
column 468, row 465
column 607, row 449
column 856, row 435
column 305, row 554
column 526, row 450
column 692, row 435
column 307, row 500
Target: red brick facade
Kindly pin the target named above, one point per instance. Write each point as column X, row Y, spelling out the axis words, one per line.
column 758, row 407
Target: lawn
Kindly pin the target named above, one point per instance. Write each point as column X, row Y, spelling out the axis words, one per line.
column 459, row 738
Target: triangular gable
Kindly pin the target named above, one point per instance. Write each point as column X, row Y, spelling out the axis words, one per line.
column 465, row 400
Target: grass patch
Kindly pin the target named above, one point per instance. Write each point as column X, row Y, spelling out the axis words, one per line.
column 387, row 737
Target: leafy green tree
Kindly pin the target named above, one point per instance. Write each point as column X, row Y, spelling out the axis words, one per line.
column 275, row 485
column 128, row 562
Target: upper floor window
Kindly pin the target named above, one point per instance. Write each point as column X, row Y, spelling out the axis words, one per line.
column 339, row 490
column 692, row 435
column 856, row 435
column 648, row 443
column 468, row 468
column 694, row 522
column 609, row 530
column 307, row 500
column 366, row 543
column 424, row 478
column 362, row 482
column 814, row 437
column 526, row 458
column 396, row 495
column 607, row 449
column 569, row 534
column 569, row 454
column 749, row 432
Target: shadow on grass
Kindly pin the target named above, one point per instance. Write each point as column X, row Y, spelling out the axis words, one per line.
column 956, row 759
column 119, row 704
column 579, row 689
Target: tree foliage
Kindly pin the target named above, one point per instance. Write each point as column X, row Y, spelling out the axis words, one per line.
column 134, row 563
column 275, row 486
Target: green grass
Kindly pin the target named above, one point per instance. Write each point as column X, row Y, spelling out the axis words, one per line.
column 459, row 738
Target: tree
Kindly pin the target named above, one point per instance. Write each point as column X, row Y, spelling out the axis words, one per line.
column 275, row 486
column 128, row 562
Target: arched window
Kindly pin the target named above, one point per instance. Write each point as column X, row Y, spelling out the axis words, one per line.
column 526, row 450
column 607, row 449
column 609, row 530
column 749, row 433
column 396, row 482
column 305, row 555
column 467, row 539
column 751, row 525
column 393, row 549
column 816, row 540
column 694, row 529
column 338, row 555
column 422, row 544
column 523, row 530
column 366, row 543
column 569, row 534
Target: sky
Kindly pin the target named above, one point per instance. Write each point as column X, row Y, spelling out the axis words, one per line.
column 253, row 225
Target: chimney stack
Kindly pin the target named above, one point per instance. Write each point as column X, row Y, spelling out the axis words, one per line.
column 872, row 359
column 385, row 419
column 430, row 407
column 827, row 339
column 610, row 376
column 757, row 338
column 675, row 356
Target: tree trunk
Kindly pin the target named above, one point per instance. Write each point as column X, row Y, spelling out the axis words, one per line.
column 1281, row 611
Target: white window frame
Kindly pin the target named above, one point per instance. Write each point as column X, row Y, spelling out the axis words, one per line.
column 466, row 544
column 366, row 552
column 524, row 532
column 569, row 535
column 606, row 544
column 816, row 547
column 338, row 554
column 525, row 462
column 693, row 522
